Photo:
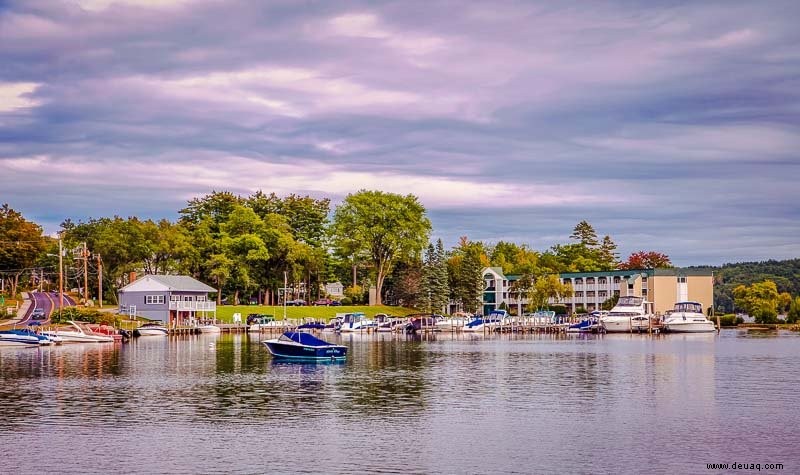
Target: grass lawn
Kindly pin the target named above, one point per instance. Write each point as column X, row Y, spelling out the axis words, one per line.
column 225, row 312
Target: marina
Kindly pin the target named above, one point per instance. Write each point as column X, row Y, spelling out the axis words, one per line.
column 206, row 400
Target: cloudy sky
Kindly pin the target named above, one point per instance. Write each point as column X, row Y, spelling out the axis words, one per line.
column 671, row 126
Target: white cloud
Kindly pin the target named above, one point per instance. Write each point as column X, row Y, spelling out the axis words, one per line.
column 14, row 96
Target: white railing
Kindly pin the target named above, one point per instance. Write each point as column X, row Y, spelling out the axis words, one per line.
column 190, row 305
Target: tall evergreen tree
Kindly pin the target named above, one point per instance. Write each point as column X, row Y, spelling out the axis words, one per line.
column 441, row 294
column 585, row 234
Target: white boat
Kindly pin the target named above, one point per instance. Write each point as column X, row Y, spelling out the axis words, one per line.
column 78, row 332
column 353, row 322
column 480, row 324
column 452, row 323
column 152, row 329
column 208, row 328
column 688, row 317
column 22, row 338
column 630, row 314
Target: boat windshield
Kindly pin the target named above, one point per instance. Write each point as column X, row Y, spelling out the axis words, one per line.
column 688, row 307
column 630, row 301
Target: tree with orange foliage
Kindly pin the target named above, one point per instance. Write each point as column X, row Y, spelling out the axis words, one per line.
column 646, row 260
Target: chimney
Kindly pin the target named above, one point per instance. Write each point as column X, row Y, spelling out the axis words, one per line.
column 131, row 277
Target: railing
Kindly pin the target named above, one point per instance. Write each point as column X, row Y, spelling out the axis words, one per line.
column 192, row 305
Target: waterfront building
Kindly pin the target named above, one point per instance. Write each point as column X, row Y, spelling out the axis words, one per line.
column 172, row 299
column 663, row 287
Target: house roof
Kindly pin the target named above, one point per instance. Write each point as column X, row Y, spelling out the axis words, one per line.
column 181, row 283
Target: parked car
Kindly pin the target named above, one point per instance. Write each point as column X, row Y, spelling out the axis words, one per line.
column 335, row 303
column 323, row 302
column 295, row 303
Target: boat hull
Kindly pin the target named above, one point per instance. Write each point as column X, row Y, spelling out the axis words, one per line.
column 300, row 352
column 690, row 327
column 152, row 331
column 19, row 340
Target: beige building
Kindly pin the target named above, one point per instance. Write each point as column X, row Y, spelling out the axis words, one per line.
column 663, row 287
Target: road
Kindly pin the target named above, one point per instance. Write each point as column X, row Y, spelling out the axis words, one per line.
column 48, row 301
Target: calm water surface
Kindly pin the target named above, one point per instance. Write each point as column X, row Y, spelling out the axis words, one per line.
column 438, row 404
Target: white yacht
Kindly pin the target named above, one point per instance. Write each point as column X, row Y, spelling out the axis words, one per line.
column 152, row 329
column 630, row 314
column 78, row 332
column 353, row 322
column 688, row 317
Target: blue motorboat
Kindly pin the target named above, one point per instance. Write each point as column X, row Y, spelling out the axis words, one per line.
column 304, row 346
column 22, row 337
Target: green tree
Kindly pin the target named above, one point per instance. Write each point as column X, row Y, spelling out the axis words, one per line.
column 759, row 300
column 784, row 302
column 585, row 234
column 793, row 316
column 608, row 256
column 21, row 244
column 539, row 290
column 385, row 226
column 435, row 292
column 464, row 269
column 514, row 259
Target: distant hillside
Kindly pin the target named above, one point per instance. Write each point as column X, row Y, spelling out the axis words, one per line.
column 785, row 274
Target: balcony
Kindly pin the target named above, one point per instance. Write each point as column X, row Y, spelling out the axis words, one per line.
column 192, row 306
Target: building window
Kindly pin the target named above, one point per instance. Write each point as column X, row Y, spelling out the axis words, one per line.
column 644, row 292
column 153, row 299
column 630, row 286
column 681, row 280
column 174, row 298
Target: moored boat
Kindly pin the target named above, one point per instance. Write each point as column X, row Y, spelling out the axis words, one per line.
column 152, row 329
column 304, row 346
column 78, row 332
column 688, row 317
column 24, row 337
column 631, row 313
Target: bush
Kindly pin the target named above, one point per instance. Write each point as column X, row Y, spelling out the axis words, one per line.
column 559, row 309
column 580, row 310
column 730, row 320
column 346, row 301
column 84, row 315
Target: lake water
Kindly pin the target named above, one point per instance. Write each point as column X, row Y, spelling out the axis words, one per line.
column 436, row 404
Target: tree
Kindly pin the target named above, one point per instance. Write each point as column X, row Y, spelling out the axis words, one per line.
column 759, row 300
column 435, row 292
column 784, row 302
column 384, row 226
column 464, row 269
column 646, row 260
column 21, row 243
column 608, row 253
column 514, row 259
column 585, row 234
column 793, row 316
column 217, row 206
column 539, row 290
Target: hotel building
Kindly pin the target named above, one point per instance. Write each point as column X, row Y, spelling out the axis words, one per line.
column 663, row 287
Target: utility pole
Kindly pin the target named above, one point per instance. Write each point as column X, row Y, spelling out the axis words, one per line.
column 85, row 255
column 99, row 282
column 60, row 277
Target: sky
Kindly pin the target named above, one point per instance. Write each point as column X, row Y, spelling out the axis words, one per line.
column 670, row 126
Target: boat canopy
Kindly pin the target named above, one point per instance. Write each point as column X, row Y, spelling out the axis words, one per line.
column 304, row 339
column 688, row 307
column 630, row 301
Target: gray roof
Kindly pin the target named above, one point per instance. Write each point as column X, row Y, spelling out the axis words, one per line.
column 182, row 283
